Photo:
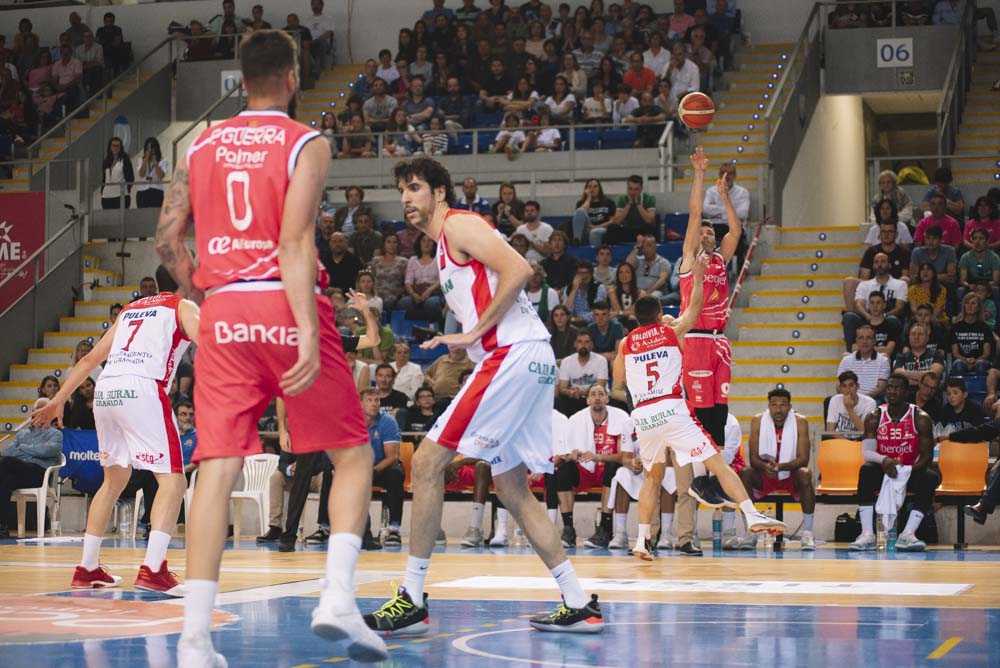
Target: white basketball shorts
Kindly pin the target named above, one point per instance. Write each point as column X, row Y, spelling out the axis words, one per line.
column 670, row 423
column 631, row 483
column 136, row 425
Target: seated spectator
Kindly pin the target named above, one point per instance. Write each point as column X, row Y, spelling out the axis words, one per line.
column 214, row 24
column 541, row 295
column 847, row 15
column 574, row 75
column 329, row 127
column 279, row 483
column 584, row 294
column 224, row 48
column 386, row 70
column 656, row 57
column 535, row 231
column 684, row 75
column 67, row 78
column 418, row 107
column 358, row 141
column 638, row 77
column 420, row 66
column 885, row 214
column 519, row 242
column 363, row 86
column 199, row 46
column 885, row 450
column 940, row 255
column 985, row 293
column 983, row 216
column 303, row 37
column 360, row 370
column 593, row 214
column 951, row 231
column 379, row 107
column 604, row 271
column 893, row 289
column 48, row 387
column 421, row 417
column 91, row 57
column 41, row 71
column 915, row 13
column 522, row 99
column 699, row 53
column 887, row 332
column 979, row 265
column 401, row 137
column 714, row 209
column 409, row 377
column 563, row 333
column 623, row 294
column 365, row 241
column 559, row 266
column 959, row 412
column 24, row 460
column 577, row 373
column 939, row 337
column 623, row 105
column 543, row 138
column 972, row 342
column 112, row 41
column 649, row 120
column 366, row 286
column 588, row 457
column 471, row 200
column 652, row 270
column 605, row 332
column 384, row 436
column 508, row 210
column 392, row 402
column 954, row 202
column 846, row 412
column 423, row 299
column 355, row 105
column 918, row 358
column 343, row 266
column 510, row 139
column 343, row 219
column 597, row 107
column 587, row 56
column 778, row 458
column 888, row 189
column 562, row 102
column 444, row 375
column 870, row 366
column 389, row 271
column 454, row 107
column 899, row 256
column 79, row 413
column 83, row 348
column 635, row 213
column 495, row 86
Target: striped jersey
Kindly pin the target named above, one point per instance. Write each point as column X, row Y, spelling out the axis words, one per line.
column 149, row 340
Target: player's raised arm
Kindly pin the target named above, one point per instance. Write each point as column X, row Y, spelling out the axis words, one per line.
column 618, row 385
column 692, row 237
column 175, row 217
column 732, row 239
column 81, row 370
column 297, row 260
column 190, row 316
column 685, row 322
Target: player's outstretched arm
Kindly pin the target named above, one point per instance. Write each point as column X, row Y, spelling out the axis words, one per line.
column 190, row 317
column 732, row 238
column 692, row 237
column 175, row 217
column 685, row 322
column 618, row 384
column 372, row 336
column 297, row 260
column 81, row 370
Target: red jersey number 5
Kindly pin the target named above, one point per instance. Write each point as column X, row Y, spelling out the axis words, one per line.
column 653, row 375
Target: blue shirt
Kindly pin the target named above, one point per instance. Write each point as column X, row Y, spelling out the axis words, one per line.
column 188, row 443
column 385, row 430
column 480, row 205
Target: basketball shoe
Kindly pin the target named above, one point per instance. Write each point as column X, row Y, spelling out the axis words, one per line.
column 587, row 619
column 95, row 579
column 196, row 651
column 758, row 522
column 162, row 581
column 399, row 617
column 337, row 618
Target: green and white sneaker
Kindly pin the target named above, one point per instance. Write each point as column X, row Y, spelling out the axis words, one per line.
column 399, row 617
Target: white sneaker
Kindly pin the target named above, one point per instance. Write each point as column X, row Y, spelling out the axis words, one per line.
column 808, row 543
column 747, row 542
column 196, row 651
column 441, row 539
column 758, row 522
column 864, row 542
column 908, row 542
column 619, row 542
column 337, row 618
column 666, row 542
column 730, row 541
column 473, row 537
column 500, row 539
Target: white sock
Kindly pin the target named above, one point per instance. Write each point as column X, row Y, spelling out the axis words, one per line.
column 640, row 540
column 569, row 585
column 728, row 521
column 341, row 558
column 666, row 522
column 413, row 583
column 156, row 550
column 807, row 522
column 91, row 548
column 501, row 529
column 553, row 514
column 913, row 522
column 477, row 514
column 748, row 508
column 619, row 522
column 867, row 514
column 199, row 599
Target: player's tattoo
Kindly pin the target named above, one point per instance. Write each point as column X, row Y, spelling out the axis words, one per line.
column 175, row 216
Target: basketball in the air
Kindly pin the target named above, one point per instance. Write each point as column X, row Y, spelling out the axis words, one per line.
column 696, row 110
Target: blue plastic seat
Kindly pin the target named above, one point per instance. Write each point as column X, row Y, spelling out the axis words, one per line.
column 587, row 140
column 588, row 253
column 618, row 138
column 485, row 140
column 463, row 145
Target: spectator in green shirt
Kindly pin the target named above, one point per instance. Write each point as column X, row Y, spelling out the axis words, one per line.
column 979, row 265
column 635, row 214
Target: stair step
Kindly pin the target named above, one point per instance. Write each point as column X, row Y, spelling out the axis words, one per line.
column 14, row 410
column 50, row 356
column 799, row 314
column 792, row 298
column 123, row 294
column 69, row 339
column 825, row 250
column 35, row 372
column 92, row 309
column 793, row 281
column 819, row 266
column 801, row 349
column 19, row 391
column 786, row 332
column 69, row 324
column 758, row 388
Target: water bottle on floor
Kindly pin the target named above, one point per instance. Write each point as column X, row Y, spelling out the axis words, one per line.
column 717, row 530
column 890, row 544
column 768, row 538
column 125, row 525
column 880, row 537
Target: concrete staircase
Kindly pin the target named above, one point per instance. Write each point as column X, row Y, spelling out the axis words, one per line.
column 330, row 94
column 980, row 129
column 786, row 324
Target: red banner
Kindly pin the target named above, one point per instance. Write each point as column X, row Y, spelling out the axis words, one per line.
column 22, row 232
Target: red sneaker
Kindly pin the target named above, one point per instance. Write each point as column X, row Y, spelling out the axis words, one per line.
column 95, row 579
column 162, row 581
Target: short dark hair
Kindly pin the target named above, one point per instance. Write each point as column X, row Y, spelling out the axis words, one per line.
column 533, row 203
column 982, row 231
column 600, row 306
column 164, row 281
column 183, row 403
column 414, row 77
column 847, row 375
column 647, row 309
column 942, row 175
column 779, row 393
column 423, row 389
column 931, row 375
column 433, row 172
column 585, row 264
column 116, row 305
column 385, row 366
column 265, row 57
column 634, row 178
column 934, row 231
column 956, row 382
column 582, row 332
column 385, row 52
column 925, row 306
column 899, row 378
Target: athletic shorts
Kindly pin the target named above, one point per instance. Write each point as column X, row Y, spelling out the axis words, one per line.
column 247, row 340
column 465, row 481
column 136, row 425
column 772, row 485
column 670, row 423
column 631, row 483
column 503, row 413
column 590, row 480
column 707, row 369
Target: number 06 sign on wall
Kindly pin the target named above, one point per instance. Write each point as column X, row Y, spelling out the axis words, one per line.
column 896, row 52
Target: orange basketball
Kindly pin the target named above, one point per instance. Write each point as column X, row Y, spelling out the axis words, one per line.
column 696, row 110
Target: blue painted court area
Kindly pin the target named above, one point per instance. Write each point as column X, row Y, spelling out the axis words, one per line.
column 274, row 633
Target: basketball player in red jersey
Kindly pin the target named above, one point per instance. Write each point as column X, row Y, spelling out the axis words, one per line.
column 136, row 427
column 707, row 354
column 503, row 413
column 252, row 186
column 897, row 434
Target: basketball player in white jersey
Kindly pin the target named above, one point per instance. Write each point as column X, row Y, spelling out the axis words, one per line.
column 135, row 426
column 650, row 365
column 502, row 415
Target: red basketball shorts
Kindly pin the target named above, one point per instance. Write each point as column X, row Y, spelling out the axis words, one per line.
column 465, row 480
column 772, row 485
column 247, row 340
column 707, row 369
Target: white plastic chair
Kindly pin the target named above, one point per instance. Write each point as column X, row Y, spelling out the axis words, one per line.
column 257, row 471
column 40, row 495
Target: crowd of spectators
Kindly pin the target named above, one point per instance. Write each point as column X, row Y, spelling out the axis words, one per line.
column 848, row 15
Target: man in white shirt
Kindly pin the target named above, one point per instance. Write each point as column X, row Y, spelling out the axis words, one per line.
column 870, row 366
column 894, row 290
column 577, row 373
column 535, row 231
column 656, row 57
column 713, row 208
column 322, row 48
column 684, row 75
column 847, row 410
column 624, row 104
column 409, row 376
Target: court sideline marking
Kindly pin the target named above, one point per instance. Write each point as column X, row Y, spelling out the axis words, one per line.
column 944, row 648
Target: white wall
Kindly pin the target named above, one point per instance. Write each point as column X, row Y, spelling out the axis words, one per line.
column 827, row 184
column 374, row 23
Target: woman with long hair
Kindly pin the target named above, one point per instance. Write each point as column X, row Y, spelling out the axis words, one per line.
column 400, row 137
column 405, row 48
column 607, row 74
column 118, row 176
column 508, row 210
column 48, row 387
column 972, row 340
column 535, row 43
column 41, row 73
column 983, row 215
column 423, row 299
column 439, row 77
column 329, row 127
column 584, row 292
column 522, row 99
column 562, row 102
column 562, row 331
column 575, row 76
column 420, row 37
column 885, row 211
column 593, row 214
column 537, row 77
column 927, row 289
column 462, row 51
column 153, row 168
column 623, row 295
column 365, row 284
column 83, row 347
column 389, row 270
column 79, row 411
